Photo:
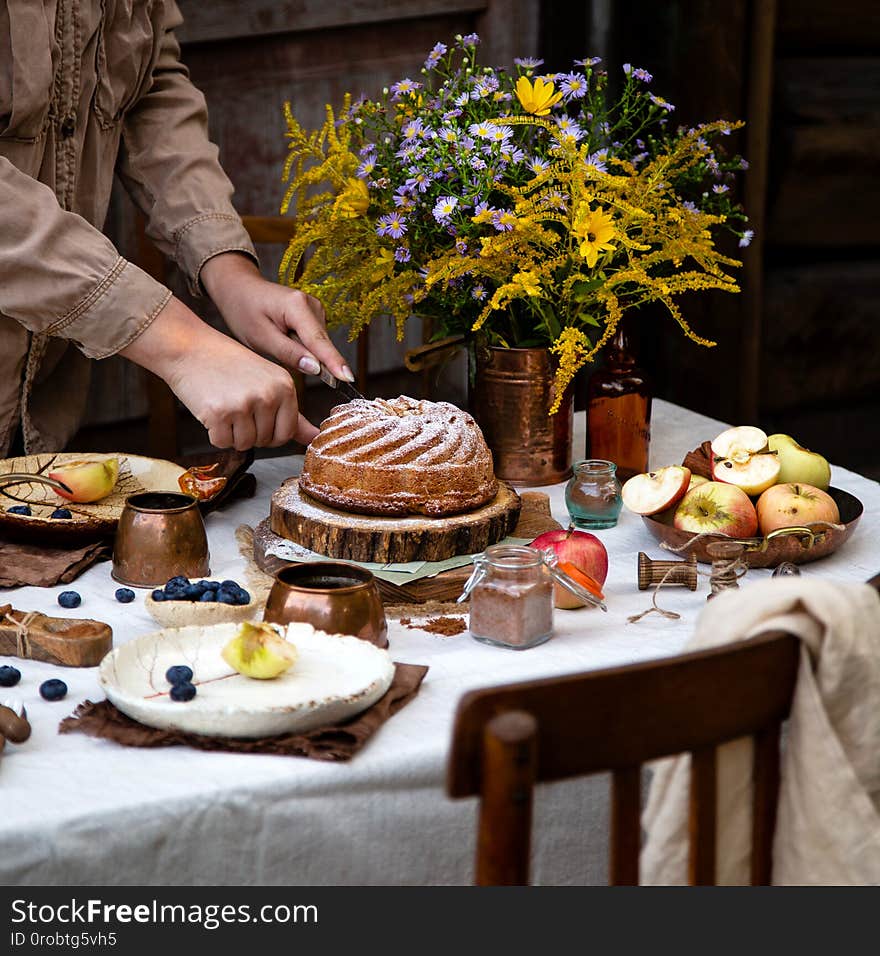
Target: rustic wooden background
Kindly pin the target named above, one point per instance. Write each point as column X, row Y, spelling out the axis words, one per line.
column 798, row 352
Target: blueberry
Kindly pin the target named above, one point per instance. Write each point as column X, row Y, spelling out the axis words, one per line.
column 124, row 595
column 213, row 585
column 61, row 513
column 158, row 595
column 183, row 692
column 69, row 599
column 177, row 582
column 208, row 596
column 243, row 596
column 179, row 674
column 19, row 510
column 229, row 585
column 9, row 676
column 53, row 689
column 227, row 597
column 192, row 593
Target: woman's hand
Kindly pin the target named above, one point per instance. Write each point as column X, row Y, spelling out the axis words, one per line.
column 283, row 324
column 242, row 399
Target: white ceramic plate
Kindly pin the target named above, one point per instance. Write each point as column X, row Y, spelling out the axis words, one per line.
column 334, row 678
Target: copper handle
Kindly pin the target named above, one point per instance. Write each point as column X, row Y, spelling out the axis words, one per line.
column 22, row 478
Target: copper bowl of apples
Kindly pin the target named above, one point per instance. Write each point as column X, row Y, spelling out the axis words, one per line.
column 766, row 492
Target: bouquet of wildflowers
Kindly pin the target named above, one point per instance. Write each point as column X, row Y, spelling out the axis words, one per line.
column 525, row 209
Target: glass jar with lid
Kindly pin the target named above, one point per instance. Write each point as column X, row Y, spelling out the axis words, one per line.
column 511, row 596
column 593, row 494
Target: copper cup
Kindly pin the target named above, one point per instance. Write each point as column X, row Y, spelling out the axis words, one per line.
column 160, row 534
column 332, row 596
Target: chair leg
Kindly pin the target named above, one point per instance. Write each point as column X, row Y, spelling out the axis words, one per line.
column 625, row 827
column 508, row 778
column 701, row 825
column 765, row 776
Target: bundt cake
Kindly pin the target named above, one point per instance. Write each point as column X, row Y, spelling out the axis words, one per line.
column 399, row 457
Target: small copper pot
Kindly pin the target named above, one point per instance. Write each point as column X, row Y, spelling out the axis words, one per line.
column 160, row 534
column 332, row 596
column 511, row 393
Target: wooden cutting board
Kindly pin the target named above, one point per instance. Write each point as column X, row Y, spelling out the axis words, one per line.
column 534, row 519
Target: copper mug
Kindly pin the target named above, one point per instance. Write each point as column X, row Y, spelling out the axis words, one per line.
column 332, row 596
column 160, row 534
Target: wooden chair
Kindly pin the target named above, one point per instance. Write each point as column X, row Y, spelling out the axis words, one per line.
column 508, row 738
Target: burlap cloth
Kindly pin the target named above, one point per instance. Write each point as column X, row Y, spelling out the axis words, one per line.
column 41, row 566
column 333, row 742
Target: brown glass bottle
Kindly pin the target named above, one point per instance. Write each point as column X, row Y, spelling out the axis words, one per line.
column 619, row 410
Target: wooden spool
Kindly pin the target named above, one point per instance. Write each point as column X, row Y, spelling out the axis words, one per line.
column 71, row 642
column 669, row 572
column 352, row 537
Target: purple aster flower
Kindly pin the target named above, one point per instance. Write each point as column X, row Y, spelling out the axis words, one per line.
column 573, row 86
column 687, row 204
column 444, row 208
column 597, row 159
column 639, row 158
column 503, row 220
column 435, row 55
column 481, row 207
column 484, row 86
column 528, row 62
column 746, row 238
column 393, row 224
column 404, row 87
column 466, row 144
column 743, row 164
column 414, row 128
column 589, row 61
column 478, row 163
column 448, row 134
column 627, row 68
column 478, row 292
column 451, row 115
column 570, row 128
column 462, row 99
column 642, row 75
column 720, row 188
column 499, row 134
column 470, row 39
column 461, row 247
column 659, row 101
column 369, row 150
column 366, row 167
column 402, row 254
column 515, row 155
column 483, row 130
column 538, row 165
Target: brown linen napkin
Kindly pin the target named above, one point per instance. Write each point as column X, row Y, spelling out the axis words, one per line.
column 44, row 566
column 333, row 742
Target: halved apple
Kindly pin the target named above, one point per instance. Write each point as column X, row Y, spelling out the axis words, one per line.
column 89, row 479
column 741, row 457
column 655, row 491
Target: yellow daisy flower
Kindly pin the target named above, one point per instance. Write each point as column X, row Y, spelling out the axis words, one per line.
column 538, row 97
column 595, row 229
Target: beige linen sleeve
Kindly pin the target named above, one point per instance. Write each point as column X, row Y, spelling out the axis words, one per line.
column 60, row 276
column 171, row 169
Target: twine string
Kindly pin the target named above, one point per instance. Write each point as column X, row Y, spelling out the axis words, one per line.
column 671, row 615
column 22, row 639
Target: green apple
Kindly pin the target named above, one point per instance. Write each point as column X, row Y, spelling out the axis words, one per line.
column 798, row 464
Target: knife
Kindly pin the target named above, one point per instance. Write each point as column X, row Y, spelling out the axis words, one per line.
column 344, row 388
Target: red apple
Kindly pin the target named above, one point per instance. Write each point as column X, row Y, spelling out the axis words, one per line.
column 717, row 508
column 89, row 479
column 655, row 491
column 580, row 548
column 793, row 504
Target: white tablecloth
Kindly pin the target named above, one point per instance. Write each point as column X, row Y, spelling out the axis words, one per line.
column 81, row 811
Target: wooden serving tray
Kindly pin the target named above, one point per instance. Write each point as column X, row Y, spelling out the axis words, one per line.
column 534, row 519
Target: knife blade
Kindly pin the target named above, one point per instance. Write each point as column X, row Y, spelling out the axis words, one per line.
column 344, row 388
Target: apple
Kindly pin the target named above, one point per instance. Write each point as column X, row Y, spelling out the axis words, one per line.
column 89, row 479
column 717, row 508
column 697, row 480
column 741, row 457
column 580, row 548
column 793, row 504
column 798, row 464
column 655, row 491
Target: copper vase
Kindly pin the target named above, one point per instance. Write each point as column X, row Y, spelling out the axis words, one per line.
column 511, row 393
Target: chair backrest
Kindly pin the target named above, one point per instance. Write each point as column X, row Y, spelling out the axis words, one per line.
column 507, row 738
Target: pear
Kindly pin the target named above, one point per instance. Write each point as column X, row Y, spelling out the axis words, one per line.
column 799, row 465
column 259, row 651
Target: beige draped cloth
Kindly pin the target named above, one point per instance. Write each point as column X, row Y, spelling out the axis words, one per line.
column 828, row 823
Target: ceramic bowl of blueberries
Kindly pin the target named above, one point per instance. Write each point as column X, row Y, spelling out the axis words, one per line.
column 182, row 601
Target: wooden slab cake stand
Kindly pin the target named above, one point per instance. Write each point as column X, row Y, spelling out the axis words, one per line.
column 529, row 517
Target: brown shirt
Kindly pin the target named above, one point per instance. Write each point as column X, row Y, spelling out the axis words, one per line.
column 88, row 88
